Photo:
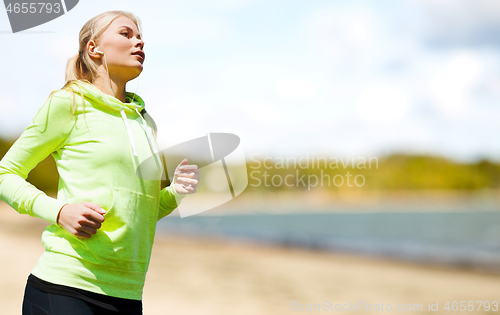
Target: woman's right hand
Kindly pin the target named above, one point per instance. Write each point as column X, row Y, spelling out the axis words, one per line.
column 81, row 219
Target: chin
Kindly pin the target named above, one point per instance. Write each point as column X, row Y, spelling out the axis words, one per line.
column 135, row 74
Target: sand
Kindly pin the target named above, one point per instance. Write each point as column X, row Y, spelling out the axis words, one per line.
column 208, row 276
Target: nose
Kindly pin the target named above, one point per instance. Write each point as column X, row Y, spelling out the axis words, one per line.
column 140, row 43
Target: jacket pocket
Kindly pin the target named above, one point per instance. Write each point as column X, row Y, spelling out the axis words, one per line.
column 128, row 229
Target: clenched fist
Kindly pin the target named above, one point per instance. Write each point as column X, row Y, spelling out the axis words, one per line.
column 81, row 219
column 186, row 178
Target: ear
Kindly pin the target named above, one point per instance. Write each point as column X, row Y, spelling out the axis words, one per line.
column 91, row 48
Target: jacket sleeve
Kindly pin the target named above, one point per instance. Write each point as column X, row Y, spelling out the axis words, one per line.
column 169, row 200
column 47, row 133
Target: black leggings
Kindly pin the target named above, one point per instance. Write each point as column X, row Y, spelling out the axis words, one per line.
column 37, row 302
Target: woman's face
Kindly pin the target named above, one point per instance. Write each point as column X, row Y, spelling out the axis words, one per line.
column 120, row 43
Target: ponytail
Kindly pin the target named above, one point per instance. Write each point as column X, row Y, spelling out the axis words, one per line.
column 72, row 72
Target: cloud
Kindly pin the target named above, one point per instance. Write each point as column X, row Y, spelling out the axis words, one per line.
column 9, row 126
column 261, row 112
column 452, row 84
column 295, row 89
column 64, row 46
column 229, row 5
column 175, row 31
column 383, row 102
column 343, row 33
column 453, row 23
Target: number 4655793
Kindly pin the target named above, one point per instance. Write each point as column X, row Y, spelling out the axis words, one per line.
column 470, row 306
column 32, row 7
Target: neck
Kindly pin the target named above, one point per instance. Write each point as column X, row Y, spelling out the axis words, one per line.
column 117, row 87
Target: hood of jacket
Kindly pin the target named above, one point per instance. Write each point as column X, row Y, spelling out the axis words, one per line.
column 134, row 105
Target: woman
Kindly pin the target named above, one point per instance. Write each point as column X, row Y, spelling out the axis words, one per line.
column 97, row 250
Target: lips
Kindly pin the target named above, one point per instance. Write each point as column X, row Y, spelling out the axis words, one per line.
column 140, row 53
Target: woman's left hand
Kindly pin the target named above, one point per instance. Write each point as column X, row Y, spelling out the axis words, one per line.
column 186, row 178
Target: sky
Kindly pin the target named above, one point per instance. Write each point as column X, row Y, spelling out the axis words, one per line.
column 291, row 78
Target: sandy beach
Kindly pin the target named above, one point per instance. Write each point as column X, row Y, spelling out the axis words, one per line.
column 206, row 276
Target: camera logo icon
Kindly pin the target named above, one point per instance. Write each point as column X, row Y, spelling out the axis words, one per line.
column 26, row 14
column 222, row 166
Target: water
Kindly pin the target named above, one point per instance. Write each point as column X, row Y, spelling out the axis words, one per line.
column 466, row 239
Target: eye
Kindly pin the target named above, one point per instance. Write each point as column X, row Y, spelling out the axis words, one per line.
column 126, row 33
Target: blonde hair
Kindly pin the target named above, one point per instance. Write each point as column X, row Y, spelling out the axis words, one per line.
column 81, row 68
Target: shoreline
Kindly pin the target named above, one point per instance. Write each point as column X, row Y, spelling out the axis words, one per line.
column 353, row 200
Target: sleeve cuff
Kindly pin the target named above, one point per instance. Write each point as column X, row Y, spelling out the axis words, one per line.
column 178, row 197
column 47, row 208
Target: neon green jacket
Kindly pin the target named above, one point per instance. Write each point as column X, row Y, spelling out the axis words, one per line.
column 97, row 152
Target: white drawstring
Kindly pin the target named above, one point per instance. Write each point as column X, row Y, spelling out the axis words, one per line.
column 150, row 137
column 148, row 132
column 152, row 144
column 129, row 131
